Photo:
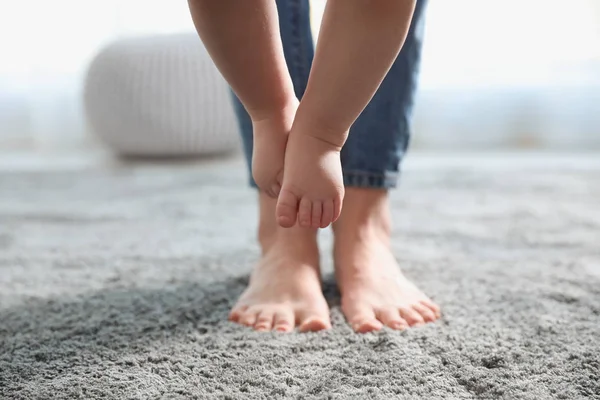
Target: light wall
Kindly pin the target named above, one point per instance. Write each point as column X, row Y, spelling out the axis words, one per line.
column 495, row 73
column 508, row 74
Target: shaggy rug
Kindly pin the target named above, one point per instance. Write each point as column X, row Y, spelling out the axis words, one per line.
column 116, row 281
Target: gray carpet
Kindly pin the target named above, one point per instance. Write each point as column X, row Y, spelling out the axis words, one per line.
column 115, row 283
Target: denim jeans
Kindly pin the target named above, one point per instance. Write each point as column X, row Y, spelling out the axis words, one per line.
column 379, row 137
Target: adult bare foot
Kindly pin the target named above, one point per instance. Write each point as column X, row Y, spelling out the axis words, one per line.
column 285, row 286
column 374, row 290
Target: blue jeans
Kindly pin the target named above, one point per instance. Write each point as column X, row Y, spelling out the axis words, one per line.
column 379, row 138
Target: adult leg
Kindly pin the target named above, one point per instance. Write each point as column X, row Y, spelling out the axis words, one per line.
column 374, row 290
column 285, row 288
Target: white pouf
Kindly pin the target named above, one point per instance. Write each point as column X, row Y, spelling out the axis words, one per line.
column 160, row 96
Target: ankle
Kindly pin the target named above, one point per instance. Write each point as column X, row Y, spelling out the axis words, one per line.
column 287, row 238
column 319, row 127
column 271, row 234
column 365, row 215
column 279, row 112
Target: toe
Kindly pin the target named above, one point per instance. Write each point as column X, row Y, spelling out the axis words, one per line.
column 433, row 307
column 327, row 215
column 313, row 320
column 337, row 208
column 391, row 318
column 317, row 210
column 275, row 189
column 362, row 319
column 314, row 324
column 237, row 313
column 283, row 321
column 426, row 313
column 287, row 209
column 411, row 316
column 276, row 186
column 264, row 322
column 365, row 325
column 305, row 213
column 248, row 318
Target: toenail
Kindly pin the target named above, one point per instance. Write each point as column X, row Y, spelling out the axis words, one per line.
column 398, row 325
column 359, row 326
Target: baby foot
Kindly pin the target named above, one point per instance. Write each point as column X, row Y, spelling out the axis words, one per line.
column 313, row 187
column 270, row 136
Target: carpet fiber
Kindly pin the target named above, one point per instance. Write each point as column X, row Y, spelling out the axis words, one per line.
column 116, row 281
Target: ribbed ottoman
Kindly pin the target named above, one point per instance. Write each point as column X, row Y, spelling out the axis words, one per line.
column 159, row 96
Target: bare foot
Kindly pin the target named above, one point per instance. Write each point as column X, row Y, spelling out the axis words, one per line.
column 374, row 290
column 285, row 286
column 313, row 187
column 270, row 136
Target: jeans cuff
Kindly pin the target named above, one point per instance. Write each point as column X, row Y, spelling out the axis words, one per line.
column 383, row 180
column 386, row 180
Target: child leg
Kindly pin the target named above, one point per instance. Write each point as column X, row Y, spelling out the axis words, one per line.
column 243, row 40
column 358, row 42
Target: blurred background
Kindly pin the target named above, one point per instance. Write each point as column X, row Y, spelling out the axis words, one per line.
column 496, row 74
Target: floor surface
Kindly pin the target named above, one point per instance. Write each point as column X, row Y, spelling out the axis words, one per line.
column 116, row 280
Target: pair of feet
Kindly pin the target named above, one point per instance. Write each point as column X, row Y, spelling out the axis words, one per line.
column 285, row 286
column 300, row 166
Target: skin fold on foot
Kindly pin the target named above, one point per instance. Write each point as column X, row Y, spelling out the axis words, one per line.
column 285, row 286
column 375, row 292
